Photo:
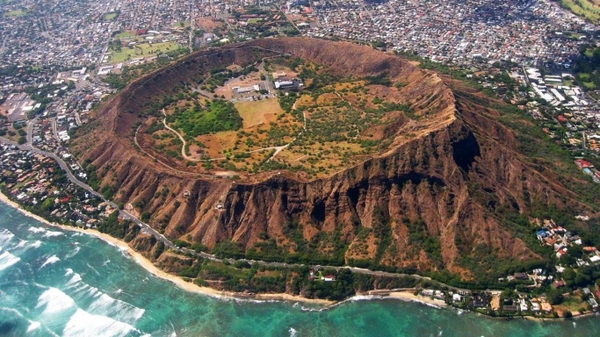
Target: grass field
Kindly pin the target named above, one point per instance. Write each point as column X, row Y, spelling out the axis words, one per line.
column 15, row 13
column 181, row 24
column 127, row 33
column 142, row 50
column 110, row 16
column 572, row 304
column 589, row 9
column 258, row 112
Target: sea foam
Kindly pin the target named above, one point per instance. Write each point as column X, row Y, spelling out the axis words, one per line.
column 74, row 280
column 51, row 260
column 54, row 301
column 50, row 234
column 7, row 260
column 104, row 304
column 109, row 306
column 5, row 236
column 36, row 229
column 73, row 252
column 85, row 324
column 33, row 326
column 81, row 322
column 21, row 244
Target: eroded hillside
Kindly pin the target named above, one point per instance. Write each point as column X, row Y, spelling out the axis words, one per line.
column 431, row 201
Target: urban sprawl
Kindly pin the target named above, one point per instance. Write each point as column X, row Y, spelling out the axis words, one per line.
column 55, row 57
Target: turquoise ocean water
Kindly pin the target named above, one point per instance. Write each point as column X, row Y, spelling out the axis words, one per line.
column 60, row 283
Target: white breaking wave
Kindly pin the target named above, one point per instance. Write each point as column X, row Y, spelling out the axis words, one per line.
column 74, row 280
column 36, row 244
column 21, row 244
column 54, row 301
column 50, row 234
column 36, row 229
column 7, row 260
column 86, row 324
column 51, row 260
column 69, row 271
column 109, row 306
column 33, row 326
column 5, row 236
column 81, row 323
column 104, row 304
column 292, row 332
column 73, row 252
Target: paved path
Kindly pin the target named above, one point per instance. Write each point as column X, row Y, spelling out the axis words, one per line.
column 183, row 142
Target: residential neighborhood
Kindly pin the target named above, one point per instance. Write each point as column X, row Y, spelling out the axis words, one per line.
column 60, row 60
column 37, row 181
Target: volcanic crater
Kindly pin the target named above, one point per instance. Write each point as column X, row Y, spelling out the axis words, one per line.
column 410, row 182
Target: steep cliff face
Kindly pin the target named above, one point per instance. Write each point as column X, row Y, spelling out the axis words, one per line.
column 427, row 204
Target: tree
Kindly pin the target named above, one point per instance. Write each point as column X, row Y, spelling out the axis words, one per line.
column 555, row 297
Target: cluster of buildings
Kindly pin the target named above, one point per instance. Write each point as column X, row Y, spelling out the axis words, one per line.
column 284, row 82
column 567, row 107
column 36, row 181
column 68, row 33
column 560, row 239
column 77, row 33
column 589, row 169
column 494, row 301
column 246, row 87
column 223, row 9
column 157, row 15
column 17, row 106
column 522, row 31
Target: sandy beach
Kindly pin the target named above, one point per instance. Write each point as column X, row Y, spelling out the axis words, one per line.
column 409, row 296
column 193, row 288
column 150, row 267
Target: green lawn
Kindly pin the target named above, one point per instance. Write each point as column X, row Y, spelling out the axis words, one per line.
column 142, row 50
column 589, row 9
column 127, row 33
column 218, row 116
column 110, row 16
column 15, row 13
column 589, row 85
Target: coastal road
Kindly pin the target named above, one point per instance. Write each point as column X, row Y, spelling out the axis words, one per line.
column 149, row 230
column 126, row 215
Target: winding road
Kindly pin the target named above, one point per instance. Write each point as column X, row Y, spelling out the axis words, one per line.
column 145, row 228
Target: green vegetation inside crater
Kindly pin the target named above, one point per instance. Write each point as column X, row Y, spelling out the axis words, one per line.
column 218, row 116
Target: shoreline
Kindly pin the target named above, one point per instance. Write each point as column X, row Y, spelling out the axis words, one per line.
column 411, row 297
column 154, row 270
column 402, row 295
